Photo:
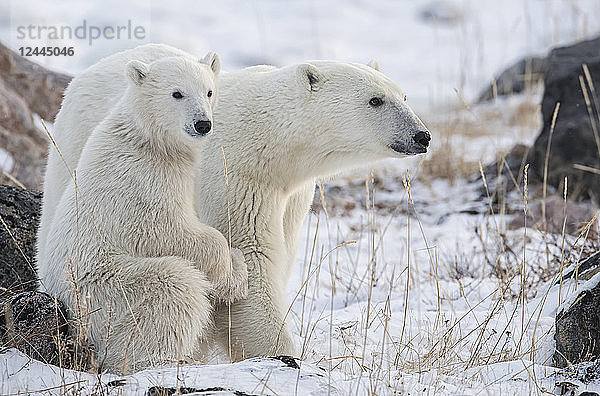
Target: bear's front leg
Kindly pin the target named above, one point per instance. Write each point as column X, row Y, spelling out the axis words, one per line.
column 234, row 286
column 255, row 326
column 224, row 267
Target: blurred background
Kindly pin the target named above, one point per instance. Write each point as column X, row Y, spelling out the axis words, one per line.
column 430, row 48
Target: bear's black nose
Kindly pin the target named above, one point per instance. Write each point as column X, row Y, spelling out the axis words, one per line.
column 422, row 137
column 202, row 127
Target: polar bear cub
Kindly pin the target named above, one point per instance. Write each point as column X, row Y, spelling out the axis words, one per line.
column 126, row 250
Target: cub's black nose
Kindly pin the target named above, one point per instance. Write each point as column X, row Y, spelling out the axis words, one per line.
column 202, row 127
column 422, row 137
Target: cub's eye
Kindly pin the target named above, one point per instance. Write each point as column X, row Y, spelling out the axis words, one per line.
column 405, row 98
column 209, row 94
column 177, row 95
column 376, row 102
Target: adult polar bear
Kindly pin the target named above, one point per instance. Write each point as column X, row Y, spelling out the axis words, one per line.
column 280, row 129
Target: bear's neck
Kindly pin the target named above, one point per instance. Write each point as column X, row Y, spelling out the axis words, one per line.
column 258, row 221
column 263, row 217
column 171, row 154
column 162, row 147
column 164, row 162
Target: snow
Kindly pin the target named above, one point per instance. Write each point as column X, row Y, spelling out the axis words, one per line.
column 254, row 376
column 6, row 161
column 414, row 296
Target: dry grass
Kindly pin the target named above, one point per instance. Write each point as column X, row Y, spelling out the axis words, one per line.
column 442, row 341
column 452, row 155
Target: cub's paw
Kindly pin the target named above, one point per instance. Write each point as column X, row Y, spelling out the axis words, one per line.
column 234, row 287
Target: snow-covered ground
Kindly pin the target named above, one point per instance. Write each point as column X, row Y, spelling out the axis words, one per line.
column 414, row 292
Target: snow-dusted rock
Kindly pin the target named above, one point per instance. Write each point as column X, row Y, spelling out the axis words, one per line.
column 36, row 324
column 578, row 326
column 20, row 211
column 521, row 75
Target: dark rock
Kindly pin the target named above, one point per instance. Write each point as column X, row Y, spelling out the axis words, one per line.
column 288, row 361
column 585, row 372
column 502, row 177
column 550, row 214
column 570, row 379
column 518, row 77
column 162, row 391
column 30, row 321
column 573, row 139
column 36, row 324
column 117, row 383
column 583, row 270
column 577, row 333
column 19, row 215
column 441, row 12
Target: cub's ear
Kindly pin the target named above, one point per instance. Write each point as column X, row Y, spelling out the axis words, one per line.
column 374, row 64
column 309, row 76
column 213, row 60
column 137, row 71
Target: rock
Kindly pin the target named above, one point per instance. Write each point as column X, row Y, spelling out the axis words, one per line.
column 36, row 324
column 584, row 270
column 573, row 139
column 288, row 361
column 19, row 214
column 577, row 333
column 573, row 380
column 217, row 390
column 501, row 175
column 42, row 89
column 21, row 139
column 27, row 160
column 516, row 78
column 502, row 178
column 577, row 214
column 585, row 372
column 26, row 88
column 441, row 12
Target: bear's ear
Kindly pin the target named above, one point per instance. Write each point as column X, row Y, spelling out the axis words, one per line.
column 137, row 71
column 213, row 60
column 374, row 64
column 309, row 76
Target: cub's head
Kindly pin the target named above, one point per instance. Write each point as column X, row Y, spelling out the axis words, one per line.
column 175, row 95
column 353, row 115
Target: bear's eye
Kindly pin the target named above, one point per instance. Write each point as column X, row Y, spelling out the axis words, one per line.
column 376, row 102
column 405, row 97
column 177, row 95
column 209, row 94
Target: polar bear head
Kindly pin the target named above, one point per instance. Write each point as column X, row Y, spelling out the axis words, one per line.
column 174, row 96
column 325, row 116
column 361, row 114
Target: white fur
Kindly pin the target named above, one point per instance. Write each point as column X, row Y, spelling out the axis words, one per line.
column 125, row 249
column 280, row 129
